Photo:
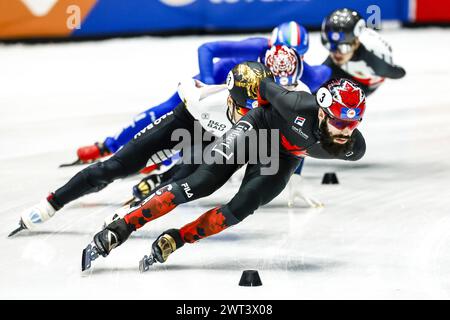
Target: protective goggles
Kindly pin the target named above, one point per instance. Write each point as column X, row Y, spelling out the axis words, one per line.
column 342, row 48
column 342, row 124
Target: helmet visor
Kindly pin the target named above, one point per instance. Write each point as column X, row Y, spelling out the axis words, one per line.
column 342, row 124
column 342, row 48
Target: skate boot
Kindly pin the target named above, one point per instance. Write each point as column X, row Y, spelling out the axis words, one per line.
column 143, row 189
column 162, row 248
column 104, row 241
column 89, row 154
column 147, row 185
column 295, row 190
column 32, row 217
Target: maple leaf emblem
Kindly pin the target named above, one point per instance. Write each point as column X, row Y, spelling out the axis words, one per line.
column 350, row 95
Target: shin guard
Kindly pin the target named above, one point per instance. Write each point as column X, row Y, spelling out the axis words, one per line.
column 208, row 224
column 156, row 205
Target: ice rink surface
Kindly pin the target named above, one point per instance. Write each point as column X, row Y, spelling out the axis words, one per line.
column 384, row 231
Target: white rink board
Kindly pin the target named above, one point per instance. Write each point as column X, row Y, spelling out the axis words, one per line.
column 384, row 231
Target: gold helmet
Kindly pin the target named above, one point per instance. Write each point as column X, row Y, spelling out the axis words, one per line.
column 243, row 82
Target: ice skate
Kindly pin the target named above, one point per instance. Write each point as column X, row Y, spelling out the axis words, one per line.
column 104, row 241
column 89, row 154
column 34, row 216
column 295, row 191
column 146, row 186
column 162, row 248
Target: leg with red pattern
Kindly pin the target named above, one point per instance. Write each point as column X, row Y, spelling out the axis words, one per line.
column 155, row 206
column 211, row 222
column 256, row 190
column 117, row 232
column 208, row 224
column 199, row 184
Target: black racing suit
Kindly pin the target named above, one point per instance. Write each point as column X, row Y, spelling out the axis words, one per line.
column 294, row 115
column 365, row 62
column 153, row 142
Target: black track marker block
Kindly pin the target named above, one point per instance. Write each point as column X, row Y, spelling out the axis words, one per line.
column 250, row 278
column 330, row 178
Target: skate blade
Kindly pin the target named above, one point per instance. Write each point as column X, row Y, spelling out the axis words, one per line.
column 89, row 254
column 145, row 263
column 75, row 163
column 17, row 230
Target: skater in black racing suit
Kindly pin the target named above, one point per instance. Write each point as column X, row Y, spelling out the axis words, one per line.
column 357, row 52
column 302, row 128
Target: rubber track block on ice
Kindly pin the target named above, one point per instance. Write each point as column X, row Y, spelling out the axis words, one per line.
column 330, row 178
column 250, row 278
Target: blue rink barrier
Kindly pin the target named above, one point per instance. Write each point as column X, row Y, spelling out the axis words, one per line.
column 116, row 17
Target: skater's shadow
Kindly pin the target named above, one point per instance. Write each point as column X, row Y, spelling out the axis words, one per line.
column 106, row 205
column 288, row 265
column 101, row 270
column 279, row 204
column 27, row 234
column 148, row 235
column 229, row 237
column 282, row 206
column 350, row 166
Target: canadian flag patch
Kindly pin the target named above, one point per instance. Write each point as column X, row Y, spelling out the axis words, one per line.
column 299, row 121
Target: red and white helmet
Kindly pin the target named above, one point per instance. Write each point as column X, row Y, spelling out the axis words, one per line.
column 285, row 65
column 343, row 100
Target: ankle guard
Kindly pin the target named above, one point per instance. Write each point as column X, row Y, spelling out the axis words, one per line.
column 121, row 229
column 166, row 244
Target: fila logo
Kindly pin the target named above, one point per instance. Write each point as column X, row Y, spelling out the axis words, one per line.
column 187, row 190
column 299, row 121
